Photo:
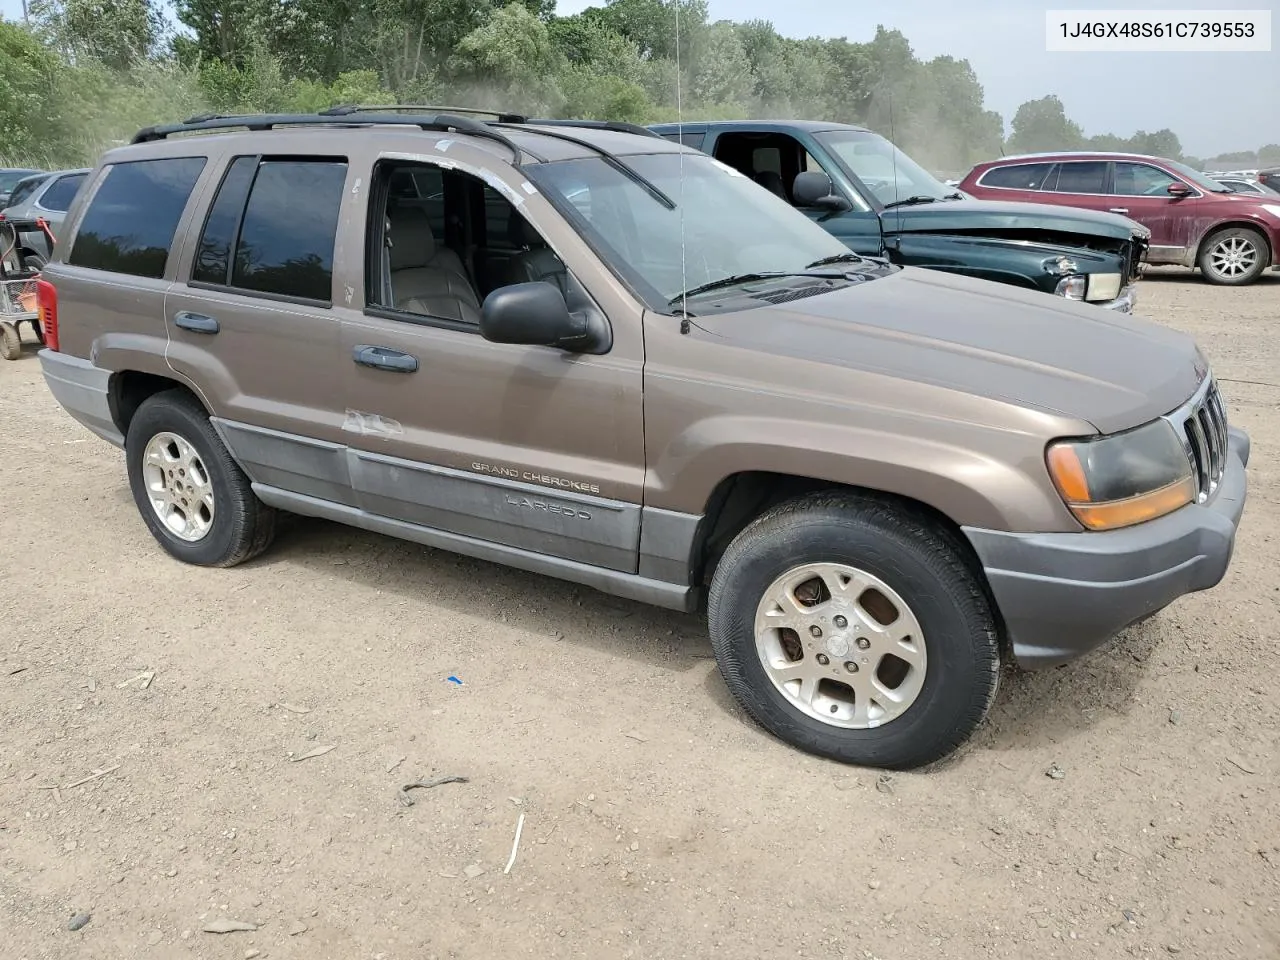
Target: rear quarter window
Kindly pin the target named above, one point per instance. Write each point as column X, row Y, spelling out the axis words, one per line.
column 129, row 225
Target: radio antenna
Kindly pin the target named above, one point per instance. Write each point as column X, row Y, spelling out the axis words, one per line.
column 893, row 143
column 684, row 268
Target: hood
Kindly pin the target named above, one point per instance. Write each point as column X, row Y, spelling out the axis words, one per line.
column 968, row 215
column 984, row 339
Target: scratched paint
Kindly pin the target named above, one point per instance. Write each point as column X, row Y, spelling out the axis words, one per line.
column 371, row 424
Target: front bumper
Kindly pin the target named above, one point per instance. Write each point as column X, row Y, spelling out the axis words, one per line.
column 1124, row 303
column 1064, row 594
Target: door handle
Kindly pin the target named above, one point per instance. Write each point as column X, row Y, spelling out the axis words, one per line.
column 384, row 358
column 195, row 322
column 1119, row 209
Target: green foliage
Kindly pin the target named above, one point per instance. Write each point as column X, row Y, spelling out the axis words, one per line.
column 89, row 73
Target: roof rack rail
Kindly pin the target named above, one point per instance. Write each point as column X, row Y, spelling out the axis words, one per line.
column 269, row 121
column 617, row 126
column 614, row 161
column 346, row 109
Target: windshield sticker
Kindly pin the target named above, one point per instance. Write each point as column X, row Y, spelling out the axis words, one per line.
column 371, row 425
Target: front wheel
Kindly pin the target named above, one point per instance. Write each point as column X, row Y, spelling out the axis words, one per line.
column 1234, row 257
column 852, row 628
column 192, row 495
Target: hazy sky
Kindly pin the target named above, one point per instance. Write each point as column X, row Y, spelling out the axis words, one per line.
column 1215, row 102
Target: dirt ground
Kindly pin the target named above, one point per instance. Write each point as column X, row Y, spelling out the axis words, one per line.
column 658, row 821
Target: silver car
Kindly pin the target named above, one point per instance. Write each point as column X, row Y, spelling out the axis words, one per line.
column 50, row 199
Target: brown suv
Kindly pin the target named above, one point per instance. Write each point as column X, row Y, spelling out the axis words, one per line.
column 609, row 358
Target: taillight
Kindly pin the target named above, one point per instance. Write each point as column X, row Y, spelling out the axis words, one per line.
column 47, row 305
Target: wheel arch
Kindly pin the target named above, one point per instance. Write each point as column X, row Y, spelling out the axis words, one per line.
column 741, row 497
column 1246, row 224
column 128, row 389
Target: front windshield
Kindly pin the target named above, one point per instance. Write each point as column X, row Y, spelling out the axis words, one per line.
column 1195, row 178
column 9, row 177
column 732, row 226
column 888, row 172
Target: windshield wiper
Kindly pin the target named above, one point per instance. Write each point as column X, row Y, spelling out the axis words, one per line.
column 848, row 257
column 954, row 196
column 911, row 201
column 750, row 277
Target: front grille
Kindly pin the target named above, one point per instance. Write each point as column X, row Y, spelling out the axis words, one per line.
column 1204, row 429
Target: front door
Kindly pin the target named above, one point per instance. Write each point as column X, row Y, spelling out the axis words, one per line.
column 774, row 159
column 529, row 447
column 1141, row 192
column 250, row 320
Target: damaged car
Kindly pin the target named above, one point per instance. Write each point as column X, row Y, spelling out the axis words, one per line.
column 879, row 202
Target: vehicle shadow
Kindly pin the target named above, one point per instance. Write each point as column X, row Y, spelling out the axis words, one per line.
column 479, row 589
column 1038, row 708
column 1174, row 275
column 1032, row 709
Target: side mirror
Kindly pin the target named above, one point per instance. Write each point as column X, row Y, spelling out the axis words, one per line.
column 813, row 188
column 534, row 314
column 1177, row 190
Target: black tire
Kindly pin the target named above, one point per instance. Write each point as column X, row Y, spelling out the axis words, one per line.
column 33, row 261
column 911, row 554
column 1262, row 257
column 242, row 526
column 10, row 341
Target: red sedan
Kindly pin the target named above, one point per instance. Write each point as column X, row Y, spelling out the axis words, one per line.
column 1194, row 221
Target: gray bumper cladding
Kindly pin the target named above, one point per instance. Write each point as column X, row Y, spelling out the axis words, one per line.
column 1064, row 594
column 84, row 392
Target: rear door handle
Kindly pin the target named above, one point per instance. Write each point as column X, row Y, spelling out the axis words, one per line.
column 195, row 322
column 1119, row 209
column 384, row 358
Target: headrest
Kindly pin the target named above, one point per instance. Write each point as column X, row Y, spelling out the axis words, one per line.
column 411, row 240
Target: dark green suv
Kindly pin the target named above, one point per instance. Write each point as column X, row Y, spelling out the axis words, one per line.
column 879, row 202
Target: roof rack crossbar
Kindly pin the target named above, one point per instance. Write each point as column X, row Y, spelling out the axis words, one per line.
column 267, row 121
column 613, row 160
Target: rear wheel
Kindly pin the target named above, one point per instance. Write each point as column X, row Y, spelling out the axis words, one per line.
column 1234, row 257
column 192, row 495
column 853, row 628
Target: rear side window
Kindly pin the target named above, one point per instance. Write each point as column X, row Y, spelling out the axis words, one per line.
column 272, row 228
column 61, row 192
column 1023, row 176
column 1084, row 176
column 129, row 225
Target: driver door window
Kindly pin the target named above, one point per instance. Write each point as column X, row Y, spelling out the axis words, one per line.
column 1141, row 180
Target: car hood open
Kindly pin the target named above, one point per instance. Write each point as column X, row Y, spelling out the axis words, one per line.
column 984, row 339
column 977, row 215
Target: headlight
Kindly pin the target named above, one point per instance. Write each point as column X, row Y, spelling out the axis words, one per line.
column 1122, row 479
column 1104, row 286
column 1073, row 288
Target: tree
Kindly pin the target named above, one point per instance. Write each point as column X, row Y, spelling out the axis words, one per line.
column 1269, row 156
column 1043, row 125
column 721, row 73
column 512, row 58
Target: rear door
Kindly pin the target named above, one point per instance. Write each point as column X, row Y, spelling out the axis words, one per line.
column 251, row 321
column 1079, row 183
